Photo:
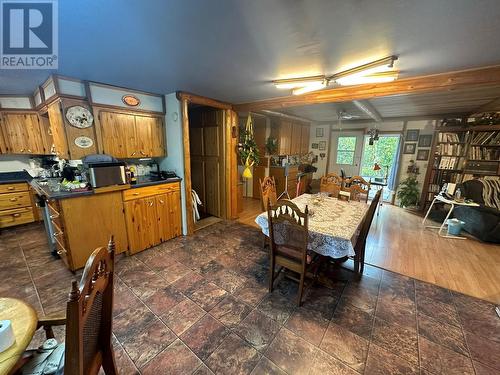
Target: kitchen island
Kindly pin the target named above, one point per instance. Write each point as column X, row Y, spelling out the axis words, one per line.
column 138, row 216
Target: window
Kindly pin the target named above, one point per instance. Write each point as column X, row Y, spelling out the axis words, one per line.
column 345, row 150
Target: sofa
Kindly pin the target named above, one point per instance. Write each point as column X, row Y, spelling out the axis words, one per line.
column 482, row 222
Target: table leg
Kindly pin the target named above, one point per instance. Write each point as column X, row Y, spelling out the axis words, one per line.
column 444, row 223
column 428, row 211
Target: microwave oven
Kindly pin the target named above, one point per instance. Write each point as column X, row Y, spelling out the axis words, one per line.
column 107, row 174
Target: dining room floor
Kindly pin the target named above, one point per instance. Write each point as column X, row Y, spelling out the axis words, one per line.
column 200, row 304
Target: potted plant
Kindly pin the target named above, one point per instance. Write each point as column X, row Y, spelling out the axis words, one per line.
column 248, row 150
column 408, row 192
column 271, row 146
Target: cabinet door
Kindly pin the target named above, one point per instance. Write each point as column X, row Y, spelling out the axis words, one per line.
column 57, row 129
column 142, row 226
column 16, row 133
column 285, row 137
column 118, row 135
column 150, row 136
column 296, row 142
column 152, row 235
column 304, row 144
column 174, row 204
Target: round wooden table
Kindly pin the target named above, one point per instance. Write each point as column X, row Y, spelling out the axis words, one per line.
column 24, row 321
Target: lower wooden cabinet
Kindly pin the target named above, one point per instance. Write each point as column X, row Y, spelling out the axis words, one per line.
column 16, row 205
column 153, row 215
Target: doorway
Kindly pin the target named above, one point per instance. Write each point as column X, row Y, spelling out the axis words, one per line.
column 385, row 153
column 207, row 163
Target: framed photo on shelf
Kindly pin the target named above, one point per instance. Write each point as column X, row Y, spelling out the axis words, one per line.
column 322, row 145
column 314, row 146
column 412, row 135
column 319, row 132
column 410, row 148
column 425, row 140
column 423, row 155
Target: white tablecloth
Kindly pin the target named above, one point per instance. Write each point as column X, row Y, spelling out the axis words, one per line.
column 333, row 224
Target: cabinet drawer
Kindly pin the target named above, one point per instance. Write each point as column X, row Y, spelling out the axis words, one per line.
column 149, row 191
column 17, row 216
column 15, row 200
column 12, row 188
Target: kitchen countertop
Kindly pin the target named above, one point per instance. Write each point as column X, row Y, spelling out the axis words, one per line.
column 44, row 190
column 14, row 177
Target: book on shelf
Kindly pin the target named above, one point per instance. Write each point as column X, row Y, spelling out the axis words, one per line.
column 450, row 162
column 451, row 149
column 449, row 137
column 484, row 153
column 486, row 138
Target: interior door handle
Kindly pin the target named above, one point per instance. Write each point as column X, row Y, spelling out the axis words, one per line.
column 13, row 199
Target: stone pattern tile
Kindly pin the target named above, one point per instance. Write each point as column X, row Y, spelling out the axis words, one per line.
column 199, row 305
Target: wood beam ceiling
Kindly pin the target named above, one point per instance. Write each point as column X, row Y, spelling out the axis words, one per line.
column 486, row 76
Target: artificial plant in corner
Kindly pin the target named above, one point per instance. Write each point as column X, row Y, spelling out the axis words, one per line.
column 249, row 152
column 408, row 192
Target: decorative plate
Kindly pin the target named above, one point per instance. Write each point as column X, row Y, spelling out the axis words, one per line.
column 131, row 100
column 84, row 142
column 79, row 117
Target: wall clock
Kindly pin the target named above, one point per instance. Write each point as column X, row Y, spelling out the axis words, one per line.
column 131, row 100
column 84, row 142
column 79, row 117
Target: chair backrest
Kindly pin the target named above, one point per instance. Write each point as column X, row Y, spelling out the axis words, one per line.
column 267, row 192
column 331, row 183
column 359, row 187
column 365, row 228
column 89, row 315
column 288, row 229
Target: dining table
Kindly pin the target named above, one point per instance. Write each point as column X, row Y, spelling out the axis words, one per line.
column 24, row 321
column 333, row 224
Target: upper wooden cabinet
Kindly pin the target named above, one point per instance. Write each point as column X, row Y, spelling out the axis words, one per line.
column 292, row 136
column 57, row 129
column 24, row 134
column 127, row 135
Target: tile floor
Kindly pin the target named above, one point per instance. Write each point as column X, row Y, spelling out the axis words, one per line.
column 200, row 305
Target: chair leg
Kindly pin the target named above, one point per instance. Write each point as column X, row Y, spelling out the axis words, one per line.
column 356, row 263
column 362, row 261
column 301, row 288
column 264, row 242
column 109, row 363
column 271, row 275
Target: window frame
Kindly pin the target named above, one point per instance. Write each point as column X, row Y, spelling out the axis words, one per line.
column 343, row 151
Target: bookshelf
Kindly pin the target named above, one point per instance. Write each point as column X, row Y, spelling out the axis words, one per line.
column 463, row 149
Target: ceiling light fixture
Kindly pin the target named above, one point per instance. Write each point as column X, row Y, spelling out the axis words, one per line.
column 309, row 88
column 372, row 78
column 293, row 83
column 377, row 66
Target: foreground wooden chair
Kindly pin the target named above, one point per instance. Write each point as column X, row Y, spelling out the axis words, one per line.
column 288, row 232
column 359, row 248
column 267, row 192
column 331, row 183
column 358, row 187
column 89, row 318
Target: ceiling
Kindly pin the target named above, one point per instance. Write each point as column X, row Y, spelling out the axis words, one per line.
column 439, row 104
column 230, row 49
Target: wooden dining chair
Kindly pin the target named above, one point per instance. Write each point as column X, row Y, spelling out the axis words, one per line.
column 358, row 187
column 267, row 192
column 331, row 183
column 89, row 318
column 288, row 232
column 359, row 248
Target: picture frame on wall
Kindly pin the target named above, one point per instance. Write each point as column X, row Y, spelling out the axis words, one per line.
column 314, row 146
column 425, row 140
column 410, row 148
column 423, row 155
column 320, row 132
column 412, row 135
column 322, row 145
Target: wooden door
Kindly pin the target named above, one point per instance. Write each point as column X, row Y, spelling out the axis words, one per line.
column 46, row 135
column 57, row 130
column 198, row 180
column 285, row 137
column 16, row 133
column 304, row 139
column 158, row 143
column 296, row 138
column 152, row 235
column 175, row 210
column 34, row 140
column 168, row 207
column 212, row 187
column 118, row 132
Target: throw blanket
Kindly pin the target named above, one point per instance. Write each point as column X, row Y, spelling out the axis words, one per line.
column 491, row 193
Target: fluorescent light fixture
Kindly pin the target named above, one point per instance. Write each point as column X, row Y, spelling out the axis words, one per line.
column 292, row 83
column 372, row 78
column 309, row 88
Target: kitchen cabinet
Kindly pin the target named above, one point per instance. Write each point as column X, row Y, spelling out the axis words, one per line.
column 279, row 177
column 292, row 136
column 127, row 135
column 56, row 121
column 16, row 204
column 82, row 224
column 304, row 138
column 152, row 215
column 23, row 134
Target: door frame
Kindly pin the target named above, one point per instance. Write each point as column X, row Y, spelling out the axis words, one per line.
column 230, row 141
